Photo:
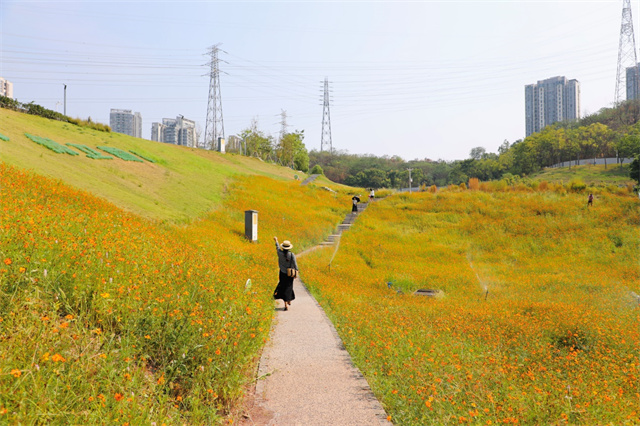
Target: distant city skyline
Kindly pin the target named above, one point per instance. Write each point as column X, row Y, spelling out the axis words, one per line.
column 426, row 79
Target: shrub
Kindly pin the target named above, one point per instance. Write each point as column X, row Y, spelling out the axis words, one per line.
column 577, row 185
column 91, row 153
column 52, row 145
column 123, row 155
column 463, row 186
column 316, row 170
column 474, row 184
column 9, row 103
column 144, row 157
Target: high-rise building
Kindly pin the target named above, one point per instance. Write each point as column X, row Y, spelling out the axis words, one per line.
column 186, row 131
column 177, row 131
column 125, row 121
column 6, row 88
column 633, row 82
column 157, row 132
column 549, row 101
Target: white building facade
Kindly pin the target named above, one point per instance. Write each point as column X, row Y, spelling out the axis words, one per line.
column 6, row 88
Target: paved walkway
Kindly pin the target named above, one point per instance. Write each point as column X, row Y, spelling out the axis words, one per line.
column 306, row 377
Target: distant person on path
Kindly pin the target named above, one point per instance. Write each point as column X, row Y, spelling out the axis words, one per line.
column 288, row 270
column 590, row 201
column 372, row 195
column 354, row 208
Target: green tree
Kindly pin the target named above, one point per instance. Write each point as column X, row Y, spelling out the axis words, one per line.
column 291, row 152
column 628, row 146
column 634, row 169
column 257, row 143
column 477, row 153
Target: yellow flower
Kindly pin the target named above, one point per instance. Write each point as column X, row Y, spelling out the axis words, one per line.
column 16, row 373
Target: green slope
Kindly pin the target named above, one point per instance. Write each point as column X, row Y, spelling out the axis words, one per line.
column 183, row 183
column 592, row 175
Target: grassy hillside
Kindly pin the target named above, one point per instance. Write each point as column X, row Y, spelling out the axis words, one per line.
column 110, row 318
column 592, row 175
column 183, row 183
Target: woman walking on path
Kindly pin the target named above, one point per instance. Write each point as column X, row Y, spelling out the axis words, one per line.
column 354, row 207
column 288, row 268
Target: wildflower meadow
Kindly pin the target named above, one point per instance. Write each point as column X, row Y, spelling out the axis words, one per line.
column 110, row 318
column 535, row 319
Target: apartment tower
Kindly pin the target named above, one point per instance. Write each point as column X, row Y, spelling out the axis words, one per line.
column 6, row 88
column 125, row 121
column 549, row 101
column 177, row 131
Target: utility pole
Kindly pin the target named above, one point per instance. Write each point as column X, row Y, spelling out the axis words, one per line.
column 325, row 140
column 410, row 181
column 214, row 127
column 627, row 58
column 65, row 99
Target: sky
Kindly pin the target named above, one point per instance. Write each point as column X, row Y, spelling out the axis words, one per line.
column 418, row 79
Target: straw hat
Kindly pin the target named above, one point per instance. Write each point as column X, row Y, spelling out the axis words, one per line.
column 286, row 245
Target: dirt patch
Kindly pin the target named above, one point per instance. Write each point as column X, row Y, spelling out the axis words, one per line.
column 253, row 414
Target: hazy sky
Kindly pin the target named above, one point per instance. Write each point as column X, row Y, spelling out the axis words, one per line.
column 420, row 79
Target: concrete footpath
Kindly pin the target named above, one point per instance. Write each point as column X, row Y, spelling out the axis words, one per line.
column 306, row 377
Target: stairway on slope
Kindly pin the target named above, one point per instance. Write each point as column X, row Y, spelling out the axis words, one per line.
column 344, row 226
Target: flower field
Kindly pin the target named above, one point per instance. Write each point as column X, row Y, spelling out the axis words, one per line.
column 108, row 318
column 538, row 317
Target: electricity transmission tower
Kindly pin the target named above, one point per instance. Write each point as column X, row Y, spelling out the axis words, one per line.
column 283, row 132
column 325, row 140
column 627, row 58
column 214, row 128
column 283, row 123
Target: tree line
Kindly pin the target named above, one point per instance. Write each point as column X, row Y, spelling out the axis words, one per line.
column 609, row 133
